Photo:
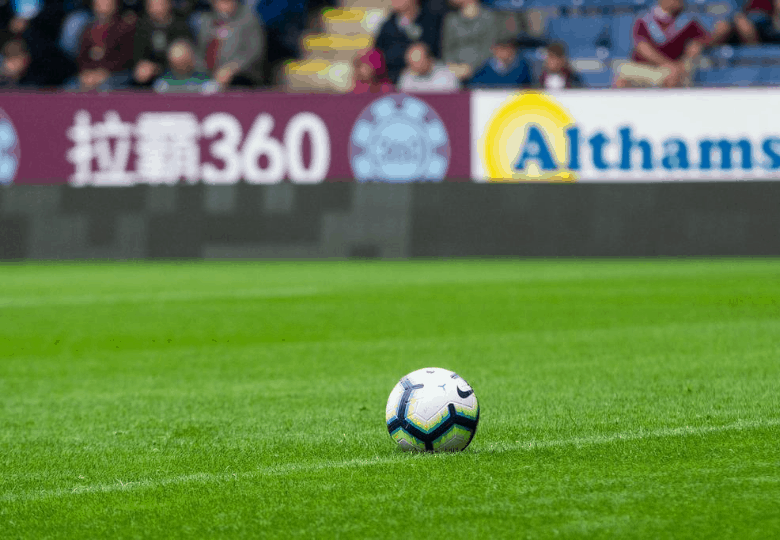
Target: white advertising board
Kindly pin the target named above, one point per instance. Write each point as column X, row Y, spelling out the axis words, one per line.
column 626, row 135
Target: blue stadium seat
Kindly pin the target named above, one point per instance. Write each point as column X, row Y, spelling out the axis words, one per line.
column 606, row 7
column 602, row 53
column 622, row 26
column 719, row 8
column 640, row 4
column 517, row 5
column 753, row 56
column 735, row 76
column 610, row 7
column 601, row 79
column 581, row 33
column 636, row 5
column 770, row 75
column 540, row 4
column 747, row 55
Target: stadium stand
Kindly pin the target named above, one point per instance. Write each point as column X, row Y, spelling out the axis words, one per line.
column 731, row 76
column 311, row 45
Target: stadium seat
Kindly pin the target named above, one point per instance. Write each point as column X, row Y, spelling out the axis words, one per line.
column 719, row 8
column 318, row 75
column 612, row 7
column 602, row 79
column 736, row 76
column 583, row 35
column 509, row 5
column 335, row 47
column 542, row 4
column 770, row 76
column 588, row 65
column 353, row 21
column 636, row 4
column 754, row 56
column 602, row 53
column 622, row 26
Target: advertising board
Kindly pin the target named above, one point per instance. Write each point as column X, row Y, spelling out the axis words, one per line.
column 626, row 136
column 127, row 139
column 259, row 138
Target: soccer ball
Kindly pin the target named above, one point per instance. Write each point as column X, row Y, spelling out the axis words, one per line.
column 432, row 410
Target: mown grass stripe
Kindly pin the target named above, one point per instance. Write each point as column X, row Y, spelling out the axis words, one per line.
column 291, row 468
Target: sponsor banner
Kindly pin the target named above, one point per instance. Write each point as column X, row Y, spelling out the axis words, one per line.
column 626, row 136
column 124, row 139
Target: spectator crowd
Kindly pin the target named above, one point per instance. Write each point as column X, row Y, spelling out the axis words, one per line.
column 422, row 46
column 166, row 45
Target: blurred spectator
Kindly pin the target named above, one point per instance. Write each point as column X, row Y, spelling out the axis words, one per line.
column 188, row 7
column 468, row 36
column 759, row 23
column 158, row 28
column 182, row 76
column 557, row 72
column 79, row 16
column 106, row 52
column 35, row 24
column 667, row 46
column 440, row 8
column 284, row 22
column 43, row 17
column 408, row 23
column 231, row 44
column 506, row 68
column 371, row 74
column 76, row 21
column 423, row 74
column 16, row 70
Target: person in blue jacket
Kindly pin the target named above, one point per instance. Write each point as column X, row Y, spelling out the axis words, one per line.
column 284, row 22
column 506, row 68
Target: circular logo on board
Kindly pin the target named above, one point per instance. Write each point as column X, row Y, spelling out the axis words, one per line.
column 399, row 139
column 9, row 150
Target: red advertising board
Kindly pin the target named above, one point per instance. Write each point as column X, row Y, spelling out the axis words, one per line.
column 123, row 139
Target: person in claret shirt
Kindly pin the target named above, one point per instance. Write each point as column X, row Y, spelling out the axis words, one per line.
column 557, row 72
column 667, row 46
column 106, row 51
column 758, row 23
column 371, row 74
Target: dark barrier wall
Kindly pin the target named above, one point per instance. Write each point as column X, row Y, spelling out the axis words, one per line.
column 369, row 220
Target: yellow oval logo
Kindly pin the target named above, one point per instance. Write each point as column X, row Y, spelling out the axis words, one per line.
column 526, row 141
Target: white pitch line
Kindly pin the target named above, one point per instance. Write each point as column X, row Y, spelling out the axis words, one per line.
column 162, row 296
column 684, row 431
column 289, row 468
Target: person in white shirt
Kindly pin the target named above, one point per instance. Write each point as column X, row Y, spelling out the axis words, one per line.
column 422, row 74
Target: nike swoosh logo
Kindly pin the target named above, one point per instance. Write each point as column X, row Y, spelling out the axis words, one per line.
column 463, row 394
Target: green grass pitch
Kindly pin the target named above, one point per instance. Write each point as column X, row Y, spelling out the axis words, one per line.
column 633, row 399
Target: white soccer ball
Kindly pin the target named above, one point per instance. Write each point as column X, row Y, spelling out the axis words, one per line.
column 432, row 410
